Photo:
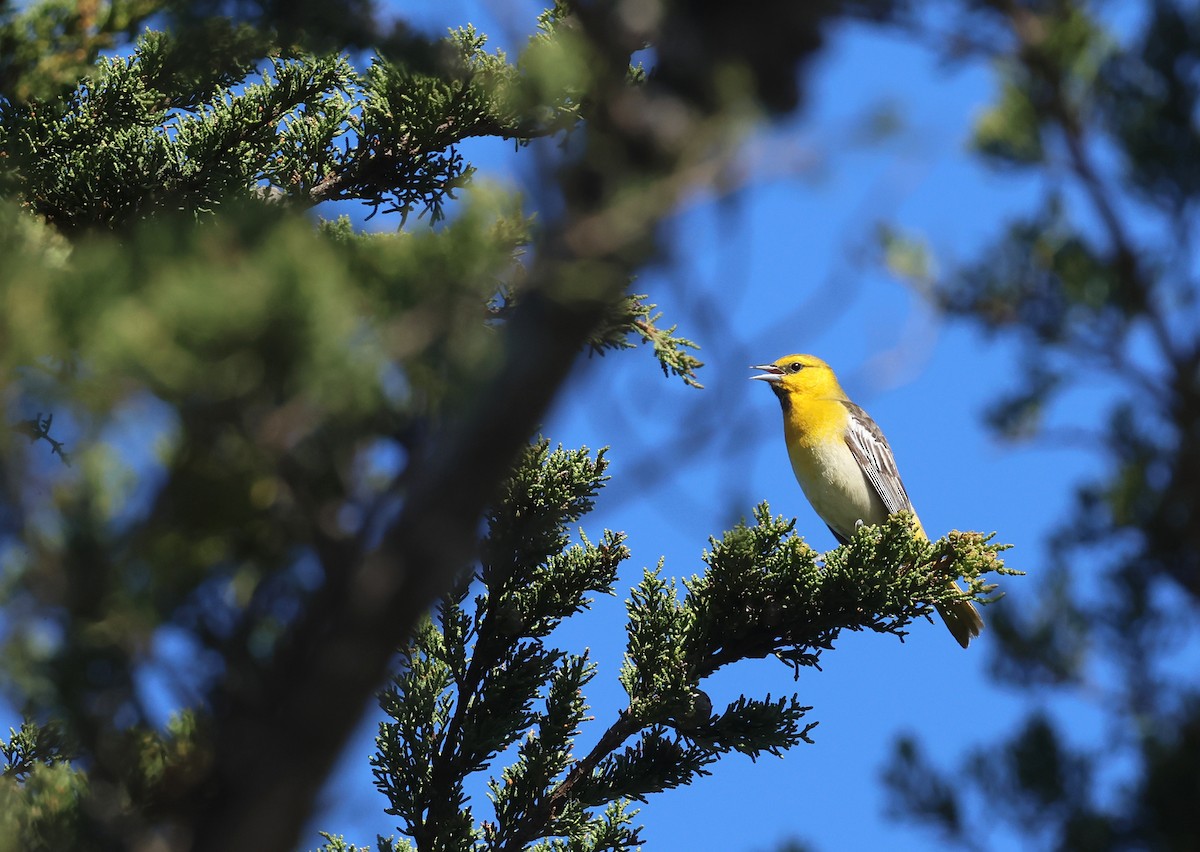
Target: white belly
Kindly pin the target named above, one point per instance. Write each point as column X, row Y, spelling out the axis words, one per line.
column 836, row 487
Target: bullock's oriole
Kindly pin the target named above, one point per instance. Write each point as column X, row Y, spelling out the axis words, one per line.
column 842, row 461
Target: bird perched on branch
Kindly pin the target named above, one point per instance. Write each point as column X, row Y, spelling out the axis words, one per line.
column 843, row 463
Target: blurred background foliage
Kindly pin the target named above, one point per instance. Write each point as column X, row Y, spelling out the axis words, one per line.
column 1098, row 103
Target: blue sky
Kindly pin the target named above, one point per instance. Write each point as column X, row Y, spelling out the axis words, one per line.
column 788, row 265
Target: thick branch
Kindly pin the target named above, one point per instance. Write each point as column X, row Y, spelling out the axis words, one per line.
column 279, row 733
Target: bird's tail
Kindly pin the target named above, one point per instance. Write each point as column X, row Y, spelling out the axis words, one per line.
column 962, row 618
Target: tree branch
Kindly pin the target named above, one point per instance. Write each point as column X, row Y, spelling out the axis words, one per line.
column 279, row 735
column 1031, row 32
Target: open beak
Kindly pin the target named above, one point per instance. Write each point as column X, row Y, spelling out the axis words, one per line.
column 770, row 373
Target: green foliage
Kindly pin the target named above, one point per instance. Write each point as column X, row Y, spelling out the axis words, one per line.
column 264, row 340
column 479, row 685
column 44, row 796
column 1050, row 82
column 1008, row 132
column 338, row 844
column 468, row 683
column 907, row 257
column 42, row 811
column 45, row 47
column 766, row 592
column 168, row 129
column 1045, row 278
column 30, row 747
column 410, row 118
column 1150, row 107
column 192, row 69
column 670, row 350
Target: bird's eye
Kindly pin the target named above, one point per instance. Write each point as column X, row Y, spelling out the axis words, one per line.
column 795, row 366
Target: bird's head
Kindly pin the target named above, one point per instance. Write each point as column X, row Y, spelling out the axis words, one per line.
column 800, row 375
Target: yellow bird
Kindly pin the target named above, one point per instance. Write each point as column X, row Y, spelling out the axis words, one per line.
column 843, row 463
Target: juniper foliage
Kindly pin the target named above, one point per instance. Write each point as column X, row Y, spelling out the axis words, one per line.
column 482, row 689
